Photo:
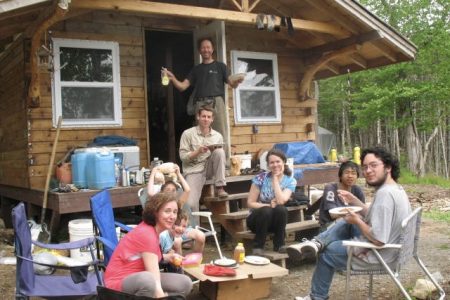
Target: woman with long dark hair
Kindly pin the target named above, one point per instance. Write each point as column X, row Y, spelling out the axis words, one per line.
column 268, row 194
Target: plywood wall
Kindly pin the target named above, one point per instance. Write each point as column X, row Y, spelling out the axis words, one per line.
column 297, row 117
column 13, row 117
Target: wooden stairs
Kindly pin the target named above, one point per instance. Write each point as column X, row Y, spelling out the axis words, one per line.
column 231, row 212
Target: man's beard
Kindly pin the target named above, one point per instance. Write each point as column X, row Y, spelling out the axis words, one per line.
column 379, row 182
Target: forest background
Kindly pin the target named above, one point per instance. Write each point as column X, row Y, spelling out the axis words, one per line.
column 404, row 107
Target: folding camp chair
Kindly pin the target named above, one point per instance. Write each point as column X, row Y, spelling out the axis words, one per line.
column 80, row 282
column 407, row 248
column 104, row 223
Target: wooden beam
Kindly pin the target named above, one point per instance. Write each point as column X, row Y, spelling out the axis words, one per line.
column 196, row 12
column 359, row 60
column 244, row 5
column 339, row 44
column 239, row 7
column 385, row 51
column 253, row 5
column 333, row 67
column 34, row 88
column 305, row 84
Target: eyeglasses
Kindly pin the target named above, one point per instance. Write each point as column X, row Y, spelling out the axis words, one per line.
column 371, row 166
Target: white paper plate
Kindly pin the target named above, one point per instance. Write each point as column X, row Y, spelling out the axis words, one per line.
column 225, row 262
column 237, row 76
column 256, row 260
column 344, row 210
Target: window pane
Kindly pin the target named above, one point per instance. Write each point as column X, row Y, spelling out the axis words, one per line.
column 259, row 72
column 86, row 65
column 87, row 103
column 258, row 104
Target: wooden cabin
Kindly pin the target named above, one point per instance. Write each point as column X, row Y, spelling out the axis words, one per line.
column 97, row 63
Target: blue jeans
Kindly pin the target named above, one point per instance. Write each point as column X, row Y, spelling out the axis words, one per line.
column 332, row 258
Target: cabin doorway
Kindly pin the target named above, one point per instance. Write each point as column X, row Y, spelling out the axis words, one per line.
column 167, row 117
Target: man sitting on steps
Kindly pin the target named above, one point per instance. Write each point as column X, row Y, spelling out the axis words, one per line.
column 203, row 157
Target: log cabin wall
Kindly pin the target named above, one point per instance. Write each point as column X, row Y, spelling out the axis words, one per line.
column 127, row 31
column 13, row 117
column 298, row 118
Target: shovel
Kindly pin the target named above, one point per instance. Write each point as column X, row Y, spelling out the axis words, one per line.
column 44, row 234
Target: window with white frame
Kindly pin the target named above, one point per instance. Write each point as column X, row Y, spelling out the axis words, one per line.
column 257, row 98
column 86, row 83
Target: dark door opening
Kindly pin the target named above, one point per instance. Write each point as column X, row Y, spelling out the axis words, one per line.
column 167, row 115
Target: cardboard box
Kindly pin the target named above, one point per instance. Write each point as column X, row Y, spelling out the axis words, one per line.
column 251, row 282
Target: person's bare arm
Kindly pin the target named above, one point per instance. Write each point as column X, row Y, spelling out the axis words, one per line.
column 366, row 230
column 179, row 85
column 151, row 182
column 252, row 200
column 351, row 199
column 281, row 196
column 234, row 83
column 186, row 189
column 152, row 266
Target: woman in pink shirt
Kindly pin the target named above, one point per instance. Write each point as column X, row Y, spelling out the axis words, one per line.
column 133, row 267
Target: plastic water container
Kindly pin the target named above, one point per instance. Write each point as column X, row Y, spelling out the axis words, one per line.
column 100, row 170
column 80, row 229
column 79, row 161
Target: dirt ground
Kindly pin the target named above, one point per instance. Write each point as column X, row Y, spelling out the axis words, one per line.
column 434, row 251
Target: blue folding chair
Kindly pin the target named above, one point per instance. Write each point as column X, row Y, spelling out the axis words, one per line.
column 80, row 282
column 103, row 217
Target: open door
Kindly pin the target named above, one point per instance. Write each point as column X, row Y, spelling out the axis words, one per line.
column 216, row 31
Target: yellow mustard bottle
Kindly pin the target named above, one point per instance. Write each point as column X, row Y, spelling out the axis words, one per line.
column 333, row 155
column 357, row 155
column 239, row 253
column 164, row 77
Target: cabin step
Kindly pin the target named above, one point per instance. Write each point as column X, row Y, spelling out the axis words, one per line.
column 228, row 198
column 290, row 227
column 276, row 257
column 242, row 214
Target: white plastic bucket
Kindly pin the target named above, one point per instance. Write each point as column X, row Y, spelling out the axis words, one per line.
column 80, row 229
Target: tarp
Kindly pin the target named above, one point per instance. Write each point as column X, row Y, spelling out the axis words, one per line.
column 301, row 152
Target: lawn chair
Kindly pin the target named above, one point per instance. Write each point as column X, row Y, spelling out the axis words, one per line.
column 407, row 248
column 79, row 283
column 104, row 224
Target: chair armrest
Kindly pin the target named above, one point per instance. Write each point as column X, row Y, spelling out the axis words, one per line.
column 123, row 226
column 106, row 243
column 370, row 245
column 70, row 245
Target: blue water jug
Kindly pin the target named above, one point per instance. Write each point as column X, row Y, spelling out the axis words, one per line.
column 100, row 170
column 79, row 161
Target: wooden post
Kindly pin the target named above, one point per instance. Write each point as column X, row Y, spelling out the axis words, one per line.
column 33, row 89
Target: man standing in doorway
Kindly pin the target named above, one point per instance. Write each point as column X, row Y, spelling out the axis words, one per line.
column 203, row 157
column 382, row 224
column 208, row 79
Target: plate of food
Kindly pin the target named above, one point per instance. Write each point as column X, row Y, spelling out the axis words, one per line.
column 225, row 262
column 256, row 260
column 237, row 76
column 343, row 210
column 215, row 146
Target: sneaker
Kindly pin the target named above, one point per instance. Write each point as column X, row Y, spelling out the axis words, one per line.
column 258, row 252
column 303, row 298
column 305, row 249
column 220, row 192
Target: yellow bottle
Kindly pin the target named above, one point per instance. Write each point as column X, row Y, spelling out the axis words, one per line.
column 357, row 155
column 333, row 155
column 164, row 77
column 239, row 253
